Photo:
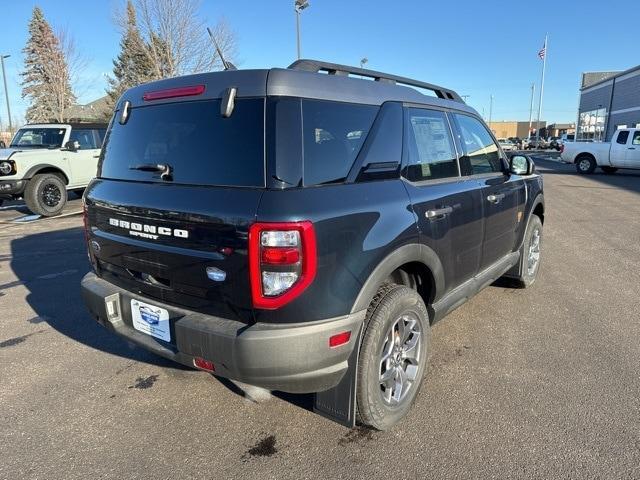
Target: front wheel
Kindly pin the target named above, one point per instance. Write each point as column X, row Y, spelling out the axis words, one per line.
column 46, row 195
column 393, row 356
column 585, row 164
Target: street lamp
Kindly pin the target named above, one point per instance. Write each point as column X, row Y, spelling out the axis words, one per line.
column 299, row 6
column 6, row 93
column 363, row 62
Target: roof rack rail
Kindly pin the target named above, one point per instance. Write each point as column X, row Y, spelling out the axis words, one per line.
column 344, row 70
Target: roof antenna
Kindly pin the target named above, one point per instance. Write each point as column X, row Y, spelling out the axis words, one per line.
column 225, row 64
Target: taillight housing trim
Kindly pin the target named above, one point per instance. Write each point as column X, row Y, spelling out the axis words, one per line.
column 308, row 262
column 189, row 91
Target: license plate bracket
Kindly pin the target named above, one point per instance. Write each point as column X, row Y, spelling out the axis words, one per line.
column 151, row 320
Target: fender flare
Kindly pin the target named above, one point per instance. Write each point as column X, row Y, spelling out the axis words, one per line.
column 413, row 252
column 41, row 166
column 539, row 200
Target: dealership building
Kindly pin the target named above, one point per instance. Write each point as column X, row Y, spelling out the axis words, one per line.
column 608, row 101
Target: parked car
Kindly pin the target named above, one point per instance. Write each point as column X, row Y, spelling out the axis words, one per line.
column 517, row 141
column 507, row 145
column 622, row 152
column 536, row 144
column 567, row 137
column 44, row 161
column 303, row 231
column 555, row 143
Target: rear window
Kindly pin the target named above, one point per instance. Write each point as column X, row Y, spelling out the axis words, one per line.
column 333, row 134
column 201, row 146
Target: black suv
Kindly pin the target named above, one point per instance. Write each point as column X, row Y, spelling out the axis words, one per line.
column 300, row 230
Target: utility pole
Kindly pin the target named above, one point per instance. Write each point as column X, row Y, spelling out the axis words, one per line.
column 6, row 92
column 533, row 91
column 490, row 109
column 299, row 6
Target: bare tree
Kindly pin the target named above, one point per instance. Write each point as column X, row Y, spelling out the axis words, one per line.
column 70, row 65
column 177, row 38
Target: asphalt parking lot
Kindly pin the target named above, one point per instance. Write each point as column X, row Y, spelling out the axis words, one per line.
column 537, row 383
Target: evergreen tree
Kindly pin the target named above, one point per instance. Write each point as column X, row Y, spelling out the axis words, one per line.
column 133, row 65
column 46, row 81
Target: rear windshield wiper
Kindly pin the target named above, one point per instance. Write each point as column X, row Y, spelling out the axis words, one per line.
column 163, row 168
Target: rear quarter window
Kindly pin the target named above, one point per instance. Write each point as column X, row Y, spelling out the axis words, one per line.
column 201, row 146
column 333, row 134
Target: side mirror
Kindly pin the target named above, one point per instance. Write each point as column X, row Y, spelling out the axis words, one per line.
column 521, row 165
column 72, row 145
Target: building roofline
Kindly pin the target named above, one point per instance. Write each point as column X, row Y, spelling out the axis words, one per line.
column 613, row 77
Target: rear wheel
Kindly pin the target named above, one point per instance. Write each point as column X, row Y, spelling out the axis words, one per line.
column 609, row 170
column 585, row 164
column 531, row 253
column 46, row 195
column 393, row 356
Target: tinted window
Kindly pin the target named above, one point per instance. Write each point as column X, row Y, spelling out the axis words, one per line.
column 429, row 146
column 38, row 137
column 623, row 137
column 481, row 152
column 333, row 134
column 201, row 146
column 84, row 137
column 636, row 138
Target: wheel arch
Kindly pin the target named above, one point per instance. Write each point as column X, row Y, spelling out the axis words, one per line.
column 44, row 168
column 537, row 207
column 584, row 154
column 414, row 260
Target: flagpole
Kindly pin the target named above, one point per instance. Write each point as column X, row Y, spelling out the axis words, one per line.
column 544, row 65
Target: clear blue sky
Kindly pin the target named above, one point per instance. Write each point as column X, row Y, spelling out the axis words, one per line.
column 476, row 48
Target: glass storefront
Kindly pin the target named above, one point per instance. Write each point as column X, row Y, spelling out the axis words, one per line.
column 592, row 125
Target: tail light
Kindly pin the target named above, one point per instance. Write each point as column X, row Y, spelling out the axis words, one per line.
column 282, row 262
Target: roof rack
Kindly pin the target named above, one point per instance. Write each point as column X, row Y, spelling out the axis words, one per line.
column 344, row 70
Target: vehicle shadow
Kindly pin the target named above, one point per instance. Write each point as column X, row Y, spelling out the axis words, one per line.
column 622, row 179
column 50, row 265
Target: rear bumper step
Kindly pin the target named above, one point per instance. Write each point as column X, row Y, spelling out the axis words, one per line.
column 290, row 358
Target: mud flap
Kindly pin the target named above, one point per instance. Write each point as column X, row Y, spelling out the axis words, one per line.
column 339, row 403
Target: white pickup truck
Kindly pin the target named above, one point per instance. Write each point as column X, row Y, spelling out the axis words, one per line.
column 622, row 152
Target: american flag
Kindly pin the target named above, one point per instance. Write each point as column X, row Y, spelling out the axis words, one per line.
column 543, row 52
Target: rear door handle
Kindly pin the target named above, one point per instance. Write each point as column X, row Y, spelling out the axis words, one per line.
column 495, row 197
column 438, row 212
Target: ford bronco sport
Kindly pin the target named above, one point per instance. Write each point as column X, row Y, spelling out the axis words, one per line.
column 44, row 161
column 301, row 231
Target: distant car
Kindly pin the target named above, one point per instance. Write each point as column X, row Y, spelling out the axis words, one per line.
column 568, row 137
column 507, row 145
column 555, row 143
column 536, row 144
column 517, row 141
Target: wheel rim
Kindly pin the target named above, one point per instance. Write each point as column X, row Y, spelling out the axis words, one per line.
column 400, row 358
column 51, row 195
column 584, row 165
column 534, row 252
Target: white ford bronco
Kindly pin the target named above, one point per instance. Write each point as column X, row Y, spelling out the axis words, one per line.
column 45, row 161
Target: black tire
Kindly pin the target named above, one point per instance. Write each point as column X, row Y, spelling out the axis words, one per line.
column 609, row 170
column 528, row 275
column 391, row 305
column 585, row 164
column 46, row 195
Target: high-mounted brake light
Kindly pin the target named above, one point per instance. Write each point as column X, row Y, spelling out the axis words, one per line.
column 174, row 92
column 282, row 262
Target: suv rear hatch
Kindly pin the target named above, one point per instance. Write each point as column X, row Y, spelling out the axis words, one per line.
column 179, row 234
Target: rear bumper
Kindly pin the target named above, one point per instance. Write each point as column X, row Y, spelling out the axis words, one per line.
column 290, row 358
column 10, row 188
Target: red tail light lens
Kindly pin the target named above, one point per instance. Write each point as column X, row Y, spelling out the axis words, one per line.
column 339, row 339
column 282, row 262
column 174, row 92
column 203, row 364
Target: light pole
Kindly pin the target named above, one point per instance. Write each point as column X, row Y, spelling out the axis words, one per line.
column 299, row 6
column 6, row 93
